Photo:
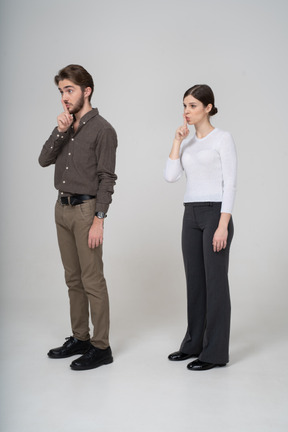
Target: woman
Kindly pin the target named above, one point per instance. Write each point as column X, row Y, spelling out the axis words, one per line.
column 208, row 159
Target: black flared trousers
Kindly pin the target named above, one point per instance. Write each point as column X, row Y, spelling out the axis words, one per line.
column 208, row 298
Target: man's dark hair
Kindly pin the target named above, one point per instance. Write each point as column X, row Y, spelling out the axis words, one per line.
column 78, row 75
column 204, row 94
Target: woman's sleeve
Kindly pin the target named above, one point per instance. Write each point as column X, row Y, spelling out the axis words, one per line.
column 173, row 170
column 229, row 171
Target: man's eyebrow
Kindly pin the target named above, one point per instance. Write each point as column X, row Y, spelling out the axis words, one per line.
column 66, row 87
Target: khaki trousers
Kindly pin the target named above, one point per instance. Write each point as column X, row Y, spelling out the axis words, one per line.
column 83, row 272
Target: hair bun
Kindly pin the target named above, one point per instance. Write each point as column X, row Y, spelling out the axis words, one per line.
column 213, row 111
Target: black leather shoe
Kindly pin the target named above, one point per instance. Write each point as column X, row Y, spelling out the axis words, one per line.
column 93, row 358
column 179, row 355
column 200, row 365
column 71, row 347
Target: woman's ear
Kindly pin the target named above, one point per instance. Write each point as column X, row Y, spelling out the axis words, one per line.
column 208, row 108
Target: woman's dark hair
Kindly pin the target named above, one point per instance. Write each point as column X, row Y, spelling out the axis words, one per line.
column 78, row 75
column 204, row 94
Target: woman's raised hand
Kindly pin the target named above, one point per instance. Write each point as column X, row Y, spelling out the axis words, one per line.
column 182, row 132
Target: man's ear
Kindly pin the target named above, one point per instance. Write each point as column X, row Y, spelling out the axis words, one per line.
column 87, row 91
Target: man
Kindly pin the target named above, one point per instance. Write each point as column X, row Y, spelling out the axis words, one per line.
column 83, row 149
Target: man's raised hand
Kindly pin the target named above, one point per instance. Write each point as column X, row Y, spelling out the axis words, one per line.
column 65, row 119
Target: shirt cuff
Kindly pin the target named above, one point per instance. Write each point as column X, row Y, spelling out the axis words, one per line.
column 101, row 208
column 58, row 135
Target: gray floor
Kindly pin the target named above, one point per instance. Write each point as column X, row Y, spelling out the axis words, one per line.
column 141, row 390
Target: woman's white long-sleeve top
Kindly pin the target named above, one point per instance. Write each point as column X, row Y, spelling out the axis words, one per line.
column 210, row 166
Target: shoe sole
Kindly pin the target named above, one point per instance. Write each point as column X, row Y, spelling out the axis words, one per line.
column 69, row 355
column 102, row 363
column 183, row 358
column 206, row 368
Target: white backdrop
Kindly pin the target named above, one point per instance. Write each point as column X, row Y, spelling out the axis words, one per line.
column 143, row 56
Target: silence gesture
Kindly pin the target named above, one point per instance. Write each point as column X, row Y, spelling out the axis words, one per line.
column 183, row 131
column 65, row 119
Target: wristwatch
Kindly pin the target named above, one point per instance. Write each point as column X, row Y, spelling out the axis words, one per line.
column 100, row 215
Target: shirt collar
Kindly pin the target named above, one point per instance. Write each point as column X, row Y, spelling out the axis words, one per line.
column 90, row 114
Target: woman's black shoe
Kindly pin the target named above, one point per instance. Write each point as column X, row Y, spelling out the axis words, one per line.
column 200, row 365
column 179, row 355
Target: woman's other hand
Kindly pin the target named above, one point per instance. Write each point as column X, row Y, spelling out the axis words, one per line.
column 219, row 241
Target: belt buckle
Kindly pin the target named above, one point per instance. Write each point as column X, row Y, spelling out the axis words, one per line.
column 64, row 200
column 75, row 200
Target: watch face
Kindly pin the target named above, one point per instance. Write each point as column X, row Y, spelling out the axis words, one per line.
column 100, row 215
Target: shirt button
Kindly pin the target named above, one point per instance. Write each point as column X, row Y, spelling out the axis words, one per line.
column 69, row 154
column 51, row 147
column 58, row 136
column 62, row 136
column 84, row 122
column 62, row 193
column 64, row 181
column 66, row 167
column 72, row 139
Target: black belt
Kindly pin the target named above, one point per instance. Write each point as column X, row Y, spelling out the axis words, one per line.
column 75, row 199
column 202, row 204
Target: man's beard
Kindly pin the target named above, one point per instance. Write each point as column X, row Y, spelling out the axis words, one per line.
column 78, row 105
